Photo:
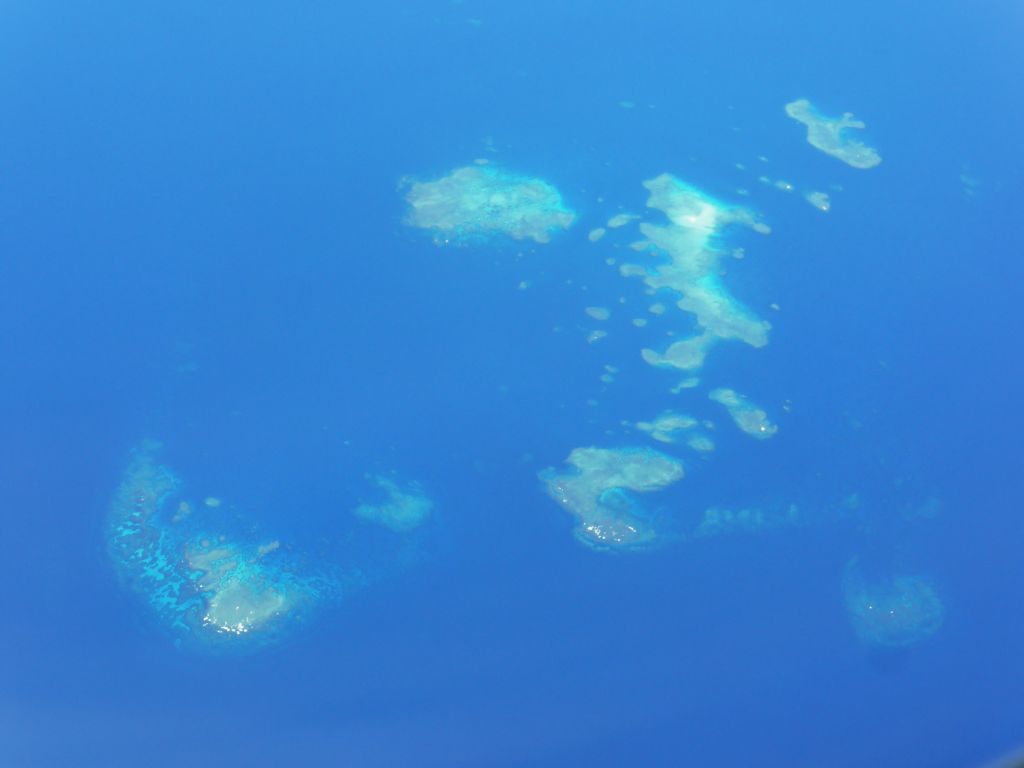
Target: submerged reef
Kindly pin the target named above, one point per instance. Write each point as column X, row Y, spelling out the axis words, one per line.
column 718, row 521
column 667, row 426
column 403, row 507
column 830, row 135
column 476, row 202
column 146, row 558
column 689, row 242
column 599, row 491
column 701, row 443
column 890, row 610
column 204, row 585
column 748, row 416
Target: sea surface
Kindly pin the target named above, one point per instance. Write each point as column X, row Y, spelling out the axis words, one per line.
column 206, row 243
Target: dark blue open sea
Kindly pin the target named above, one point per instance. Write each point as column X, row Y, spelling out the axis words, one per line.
column 417, row 384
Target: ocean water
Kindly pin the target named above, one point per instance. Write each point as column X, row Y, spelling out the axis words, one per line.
column 207, row 240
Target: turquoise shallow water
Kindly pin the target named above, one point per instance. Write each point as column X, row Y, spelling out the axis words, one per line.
column 582, row 465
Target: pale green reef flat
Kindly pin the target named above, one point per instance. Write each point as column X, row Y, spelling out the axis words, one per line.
column 476, row 202
column 598, row 490
column 689, row 266
column 832, row 136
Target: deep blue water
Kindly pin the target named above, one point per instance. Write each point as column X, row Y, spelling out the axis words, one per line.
column 202, row 242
